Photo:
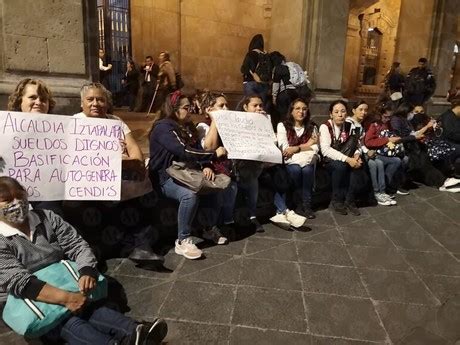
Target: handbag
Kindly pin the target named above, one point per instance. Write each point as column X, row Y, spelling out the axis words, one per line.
column 438, row 149
column 195, row 180
column 390, row 149
column 33, row 319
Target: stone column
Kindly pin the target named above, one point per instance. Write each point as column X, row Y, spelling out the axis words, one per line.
column 55, row 41
column 325, row 38
column 444, row 32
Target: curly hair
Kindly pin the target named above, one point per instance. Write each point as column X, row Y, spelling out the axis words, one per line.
column 208, row 99
column 15, row 99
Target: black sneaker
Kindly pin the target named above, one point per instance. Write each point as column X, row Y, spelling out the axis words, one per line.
column 351, row 207
column 150, row 333
column 339, row 208
column 306, row 211
column 257, row 226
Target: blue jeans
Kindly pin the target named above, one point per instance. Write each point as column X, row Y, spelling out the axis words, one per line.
column 377, row 171
column 250, row 190
column 340, row 178
column 102, row 326
column 228, row 198
column 391, row 165
column 188, row 204
column 302, row 179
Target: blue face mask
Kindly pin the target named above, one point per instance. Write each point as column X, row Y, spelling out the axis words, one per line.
column 15, row 212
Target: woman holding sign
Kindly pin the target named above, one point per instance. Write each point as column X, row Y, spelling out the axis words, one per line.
column 33, row 96
column 171, row 140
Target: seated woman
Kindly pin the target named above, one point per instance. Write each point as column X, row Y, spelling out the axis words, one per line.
column 210, row 140
column 171, row 141
column 33, row 96
column 298, row 140
column 340, row 149
column 386, row 162
column 30, row 240
column 96, row 101
column 450, row 121
column 419, row 166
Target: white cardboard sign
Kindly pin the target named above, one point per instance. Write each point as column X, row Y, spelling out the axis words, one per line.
column 247, row 136
column 58, row 157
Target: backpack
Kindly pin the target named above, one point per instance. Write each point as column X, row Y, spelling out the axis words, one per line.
column 296, row 74
column 264, row 67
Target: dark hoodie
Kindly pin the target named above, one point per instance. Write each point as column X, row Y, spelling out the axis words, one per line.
column 252, row 57
column 166, row 146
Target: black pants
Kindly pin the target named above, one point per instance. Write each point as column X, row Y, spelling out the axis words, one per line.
column 341, row 173
column 148, row 89
column 420, row 167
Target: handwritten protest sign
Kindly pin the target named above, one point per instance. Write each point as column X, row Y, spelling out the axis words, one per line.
column 61, row 157
column 247, row 136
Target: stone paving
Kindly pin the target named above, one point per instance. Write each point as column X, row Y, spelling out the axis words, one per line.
column 390, row 276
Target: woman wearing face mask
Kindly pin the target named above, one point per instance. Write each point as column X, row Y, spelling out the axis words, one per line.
column 340, row 149
column 298, row 140
column 419, row 166
column 210, row 140
column 30, row 240
column 171, row 141
column 33, row 96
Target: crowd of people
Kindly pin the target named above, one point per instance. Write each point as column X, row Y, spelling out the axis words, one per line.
column 387, row 149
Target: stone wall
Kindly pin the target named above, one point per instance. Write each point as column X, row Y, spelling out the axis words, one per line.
column 207, row 39
column 49, row 40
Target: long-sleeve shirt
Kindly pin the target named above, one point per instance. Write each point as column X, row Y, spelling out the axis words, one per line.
column 249, row 64
column 281, row 81
column 51, row 239
column 167, row 75
column 372, row 138
column 166, row 146
column 325, row 142
column 283, row 143
column 403, row 128
column 451, row 127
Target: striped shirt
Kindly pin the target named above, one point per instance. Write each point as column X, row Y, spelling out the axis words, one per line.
column 51, row 239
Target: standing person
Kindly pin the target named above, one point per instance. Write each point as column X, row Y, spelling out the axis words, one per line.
column 210, row 140
column 394, row 82
column 170, row 141
column 34, row 96
column 340, row 149
column 420, row 83
column 298, row 140
column 30, row 240
column 166, row 79
column 150, row 70
column 283, row 92
column 131, row 83
column 257, row 70
column 104, row 70
column 384, row 165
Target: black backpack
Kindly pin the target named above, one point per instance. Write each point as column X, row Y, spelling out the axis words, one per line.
column 264, row 67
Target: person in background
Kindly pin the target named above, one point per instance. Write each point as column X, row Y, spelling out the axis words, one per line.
column 149, row 83
column 30, row 240
column 298, row 140
column 131, row 83
column 394, row 83
column 420, row 84
column 171, row 141
column 104, row 70
column 33, row 96
column 257, row 70
column 283, row 92
column 166, row 79
column 340, row 149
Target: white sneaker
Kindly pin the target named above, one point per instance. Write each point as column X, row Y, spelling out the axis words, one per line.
column 296, row 220
column 215, row 235
column 280, row 219
column 390, row 199
column 450, row 182
column 381, row 200
column 187, row 249
column 451, row 190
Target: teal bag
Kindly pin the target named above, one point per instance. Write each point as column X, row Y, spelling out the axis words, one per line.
column 33, row 319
